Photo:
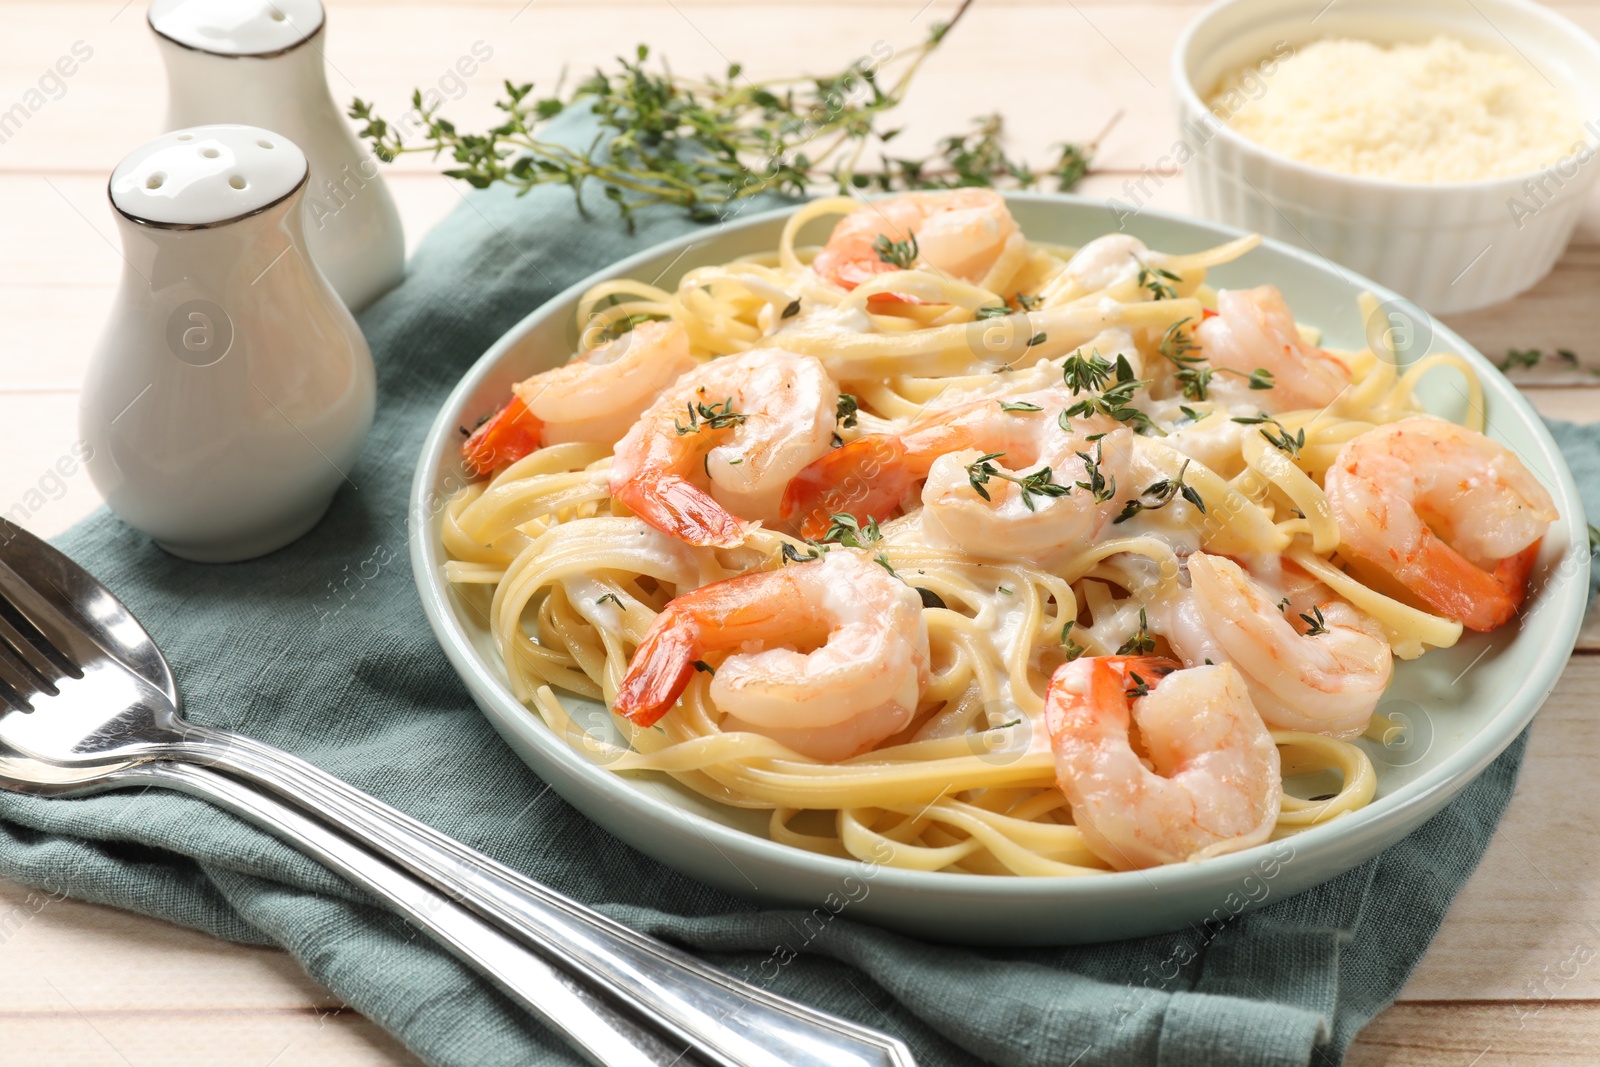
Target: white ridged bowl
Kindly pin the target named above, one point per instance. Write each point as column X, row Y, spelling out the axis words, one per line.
column 1448, row 246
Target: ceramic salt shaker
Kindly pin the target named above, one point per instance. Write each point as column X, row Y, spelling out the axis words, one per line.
column 231, row 390
column 261, row 62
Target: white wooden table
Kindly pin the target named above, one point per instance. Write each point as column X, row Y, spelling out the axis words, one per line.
column 1514, row 976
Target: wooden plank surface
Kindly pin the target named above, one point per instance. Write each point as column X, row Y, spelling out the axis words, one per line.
column 1514, row 976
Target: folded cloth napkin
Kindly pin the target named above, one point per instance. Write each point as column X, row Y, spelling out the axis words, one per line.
column 322, row 649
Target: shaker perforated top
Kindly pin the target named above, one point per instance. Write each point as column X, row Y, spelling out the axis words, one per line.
column 237, row 27
column 206, row 175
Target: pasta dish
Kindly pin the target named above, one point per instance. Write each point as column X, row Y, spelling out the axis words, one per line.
column 959, row 551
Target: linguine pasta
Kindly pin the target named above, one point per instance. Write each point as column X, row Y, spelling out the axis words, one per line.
column 570, row 581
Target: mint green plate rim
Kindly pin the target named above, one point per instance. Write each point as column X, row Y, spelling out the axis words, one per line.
column 683, row 831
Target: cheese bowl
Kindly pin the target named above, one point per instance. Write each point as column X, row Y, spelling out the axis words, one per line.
column 1448, row 246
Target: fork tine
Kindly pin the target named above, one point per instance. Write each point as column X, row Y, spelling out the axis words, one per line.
column 23, row 682
column 26, row 647
column 44, row 627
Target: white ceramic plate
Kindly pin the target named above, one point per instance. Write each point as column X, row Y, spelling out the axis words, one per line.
column 1462, row 705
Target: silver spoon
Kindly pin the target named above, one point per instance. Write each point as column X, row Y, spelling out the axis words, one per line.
column 85, row 687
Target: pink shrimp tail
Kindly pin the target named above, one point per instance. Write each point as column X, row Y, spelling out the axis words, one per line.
column 660, row 669
column 1482, row 600
column 867, row 478
column 681, row 509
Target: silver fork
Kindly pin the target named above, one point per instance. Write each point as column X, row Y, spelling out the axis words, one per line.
column 86, row 687
column 604, row 1033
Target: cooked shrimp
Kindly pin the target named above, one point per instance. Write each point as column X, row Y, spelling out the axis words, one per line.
column 1253, row 330
column 594, row 398
column 1014, row 521
column 1213, row 783
column 1326, row 682
column 958, row 232
column 742, row 425
column 1453, row 516
column 876, row 474
column 832, row 656
column 1100, row 264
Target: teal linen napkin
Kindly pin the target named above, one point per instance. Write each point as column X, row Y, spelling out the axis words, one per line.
column 322, row 649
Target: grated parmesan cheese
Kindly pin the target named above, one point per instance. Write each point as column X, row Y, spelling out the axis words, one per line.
column 1435, row 112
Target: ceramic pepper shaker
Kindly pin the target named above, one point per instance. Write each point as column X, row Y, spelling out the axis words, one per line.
column 231, row 390
column 261, row 62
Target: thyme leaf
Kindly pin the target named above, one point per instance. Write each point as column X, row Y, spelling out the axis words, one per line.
column 899, row 254
column 848, row 407
column 1282, row 440
column 1316, row 623
column 846, row 530
column 1141, row 643
column 703, row 416
column 1039, row 483
column 1160, row 494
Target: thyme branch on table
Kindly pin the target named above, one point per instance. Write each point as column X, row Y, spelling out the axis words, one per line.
column 1039, row 483
column 1160, row 494
column 1523, row 358
column 705, row 145
column 703, row 416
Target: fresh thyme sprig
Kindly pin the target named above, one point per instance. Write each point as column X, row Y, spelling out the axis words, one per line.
column 900, row 254
column 847, row 409
column 1039, row 483
column 703, row 416
column 1072, row 649
column 1024, row 406
column 1315, row 623
column 1161, row 493
column 846, row 530
column 625, row 324
column 791, row 554
column 1085, row 374
column 1099, row 486
column 1282, row 440
column 707, row 145
column 1194, row 373
column 1157, row 281
column 1117, row 402
column 1141, row 643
